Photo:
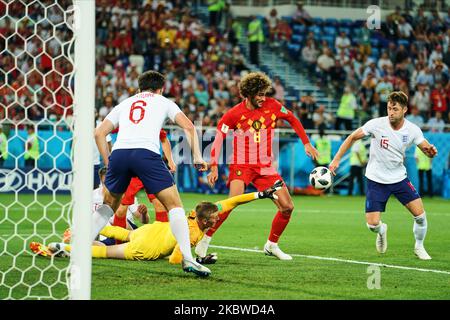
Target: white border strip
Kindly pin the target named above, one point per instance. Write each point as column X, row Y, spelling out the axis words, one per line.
column 339, row 260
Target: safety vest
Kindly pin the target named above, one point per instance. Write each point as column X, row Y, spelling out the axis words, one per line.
column 345, row 109
column 354, row 161
column 237, row 27
column 33, row 152
column 214, row 5
column 255, row 30
column 3, row 146
column 424, row 163
column 323, row 146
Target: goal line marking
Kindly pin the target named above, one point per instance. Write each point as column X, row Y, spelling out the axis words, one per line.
column 339, row 260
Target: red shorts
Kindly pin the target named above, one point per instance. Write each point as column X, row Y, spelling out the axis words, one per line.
column 261, row 178
column 133, row 188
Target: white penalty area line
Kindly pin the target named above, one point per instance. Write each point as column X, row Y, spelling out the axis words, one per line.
column 340, row 260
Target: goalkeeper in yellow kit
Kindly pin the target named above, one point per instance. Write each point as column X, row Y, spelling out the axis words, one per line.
column 155, row 241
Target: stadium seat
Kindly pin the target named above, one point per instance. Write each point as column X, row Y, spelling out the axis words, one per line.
column 375, row 54
column 332, row 31
column 317, row 21
column 296, row 38
column 346, row 30
column 331, row 22
column 299, row 29
column 288, row 19
column 347, row 23
column 403, row 42
column 374, row 42
column 317, row 30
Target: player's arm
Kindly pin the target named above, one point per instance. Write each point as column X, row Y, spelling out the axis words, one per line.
column 224, row 125
column 233, row 202
column 428, row 149
column 101, row 132
column 167, row 150
column 345, row 146
column 298, row 128
column 192, row 137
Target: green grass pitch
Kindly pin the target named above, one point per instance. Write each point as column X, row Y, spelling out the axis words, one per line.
column 321, row 228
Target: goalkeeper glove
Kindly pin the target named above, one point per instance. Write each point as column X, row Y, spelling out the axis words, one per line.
column 270, row 192
column 208, row 259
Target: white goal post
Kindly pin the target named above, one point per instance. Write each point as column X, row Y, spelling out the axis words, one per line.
column 84, row 106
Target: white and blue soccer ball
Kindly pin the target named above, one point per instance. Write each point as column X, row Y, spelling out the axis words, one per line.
column 321, row 178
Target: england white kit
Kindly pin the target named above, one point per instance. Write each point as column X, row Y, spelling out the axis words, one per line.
column 140, row 119
column 387, row 149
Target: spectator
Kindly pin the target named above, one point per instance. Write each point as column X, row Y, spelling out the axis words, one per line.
column 346, row 111
column 255, row 37
column 384, row 60
column 201, row 94
column 435, row 55
column 405, row 30
column 439, row 99
column 324, row 63
column 425, row 77
column 323, row 146
column 358, row 160
column 415, row 117
column 309, row 55
column 440, row 73
column 279, row 89
column 322, row 118
column 31, row 148
column 424, row 166
column 382, row 90
column 421, row 100
column 436, row 123
column 272, row 24
column 342, row 43
column 301, row 16
column 307, row 108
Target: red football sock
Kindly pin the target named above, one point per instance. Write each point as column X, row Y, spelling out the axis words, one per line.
column 222, row 217
column 161, row 216
column 279, row 223
column 120, row 222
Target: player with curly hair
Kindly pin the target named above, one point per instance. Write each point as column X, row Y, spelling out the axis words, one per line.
column 252, row 123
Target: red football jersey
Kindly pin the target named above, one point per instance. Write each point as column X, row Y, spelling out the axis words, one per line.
column 253, row 131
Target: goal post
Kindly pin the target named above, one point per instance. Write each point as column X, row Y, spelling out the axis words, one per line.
column 47, row 107
column 84, row 106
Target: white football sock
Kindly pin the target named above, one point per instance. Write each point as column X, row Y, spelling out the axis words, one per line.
column 420, row 229
column 180, row 229
column 379, row 228
column 99, row 219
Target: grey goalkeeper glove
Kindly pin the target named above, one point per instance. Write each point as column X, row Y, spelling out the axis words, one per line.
column 208, row 259
column 270, row 192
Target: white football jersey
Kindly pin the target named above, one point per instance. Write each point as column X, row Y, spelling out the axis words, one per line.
column 140, row 119
column 387, row 149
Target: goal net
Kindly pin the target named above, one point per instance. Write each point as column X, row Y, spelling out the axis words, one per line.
column 39, row 139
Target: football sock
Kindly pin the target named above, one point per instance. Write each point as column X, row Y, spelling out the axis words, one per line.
column 97, row 251
column 161, row 216
column 279, row 223
column 120, row 221
column 180, row 229
column 420, row 229
column 99, row 219
column 379, row 228
column 117, row 233
column 222, row 217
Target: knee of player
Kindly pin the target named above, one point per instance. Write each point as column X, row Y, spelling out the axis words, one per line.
column 287, row 209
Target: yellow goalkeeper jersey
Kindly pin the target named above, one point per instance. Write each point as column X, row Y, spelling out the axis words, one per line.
column 155, row 241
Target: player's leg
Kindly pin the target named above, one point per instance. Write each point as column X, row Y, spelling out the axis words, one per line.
column 405, row 192
column 170, row 198
column 161, row 213
column 237, row 187
column 128, row 199
column 117, row 180
column 419, row 228
column 376, row 199
column 280, row 221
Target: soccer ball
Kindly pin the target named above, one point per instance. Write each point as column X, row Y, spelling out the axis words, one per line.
column 321, row 178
